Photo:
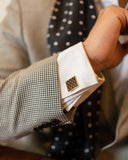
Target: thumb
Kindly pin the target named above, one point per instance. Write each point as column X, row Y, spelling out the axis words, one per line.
column 124, row 48
column 121, row 51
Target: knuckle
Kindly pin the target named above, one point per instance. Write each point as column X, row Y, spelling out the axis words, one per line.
column 111, row 9
column 101, row 11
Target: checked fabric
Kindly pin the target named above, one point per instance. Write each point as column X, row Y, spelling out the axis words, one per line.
column 70, row 23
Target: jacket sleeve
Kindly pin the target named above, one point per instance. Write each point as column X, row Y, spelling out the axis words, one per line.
column 29, row 94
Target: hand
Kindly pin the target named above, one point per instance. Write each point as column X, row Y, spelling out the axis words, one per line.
column 102, row 46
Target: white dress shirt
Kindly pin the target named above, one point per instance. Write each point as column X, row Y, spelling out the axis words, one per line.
column 106, row 3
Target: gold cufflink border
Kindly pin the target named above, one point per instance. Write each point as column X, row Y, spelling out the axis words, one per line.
column 72, row 84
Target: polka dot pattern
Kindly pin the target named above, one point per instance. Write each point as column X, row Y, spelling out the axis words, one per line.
column 70, row 23
column 92, row 122
column 68, row 136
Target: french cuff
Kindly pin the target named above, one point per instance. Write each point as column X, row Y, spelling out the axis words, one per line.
column 83, row 95
column 75, row 74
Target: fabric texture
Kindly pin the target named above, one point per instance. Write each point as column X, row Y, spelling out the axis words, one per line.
column 32, row 93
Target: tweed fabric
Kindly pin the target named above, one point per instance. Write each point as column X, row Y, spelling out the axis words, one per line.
column 32, row 97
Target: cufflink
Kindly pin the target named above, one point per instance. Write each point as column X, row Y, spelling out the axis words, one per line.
column 72, row 84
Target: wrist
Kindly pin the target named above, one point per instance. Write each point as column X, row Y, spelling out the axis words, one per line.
column 97, row 67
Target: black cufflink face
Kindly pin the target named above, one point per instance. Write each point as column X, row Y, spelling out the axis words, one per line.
column 72, row 84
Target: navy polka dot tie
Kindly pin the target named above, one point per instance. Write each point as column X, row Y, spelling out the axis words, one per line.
column 70, row 23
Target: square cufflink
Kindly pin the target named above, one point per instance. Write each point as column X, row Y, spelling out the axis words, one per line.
column 72, row 84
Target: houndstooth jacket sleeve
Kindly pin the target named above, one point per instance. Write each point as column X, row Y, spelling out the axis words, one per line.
column 29, row 91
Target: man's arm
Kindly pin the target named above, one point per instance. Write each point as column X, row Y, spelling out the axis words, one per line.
column 29, row 94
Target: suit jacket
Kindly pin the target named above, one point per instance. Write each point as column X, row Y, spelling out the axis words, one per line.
column 30, row 94
column 29, row 80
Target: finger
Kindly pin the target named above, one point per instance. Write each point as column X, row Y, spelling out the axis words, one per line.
column 118, row 15
column 121, row 50
column 125, row 48
column 122, row 3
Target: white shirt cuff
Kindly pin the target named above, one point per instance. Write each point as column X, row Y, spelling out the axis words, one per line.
column 74, row 62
